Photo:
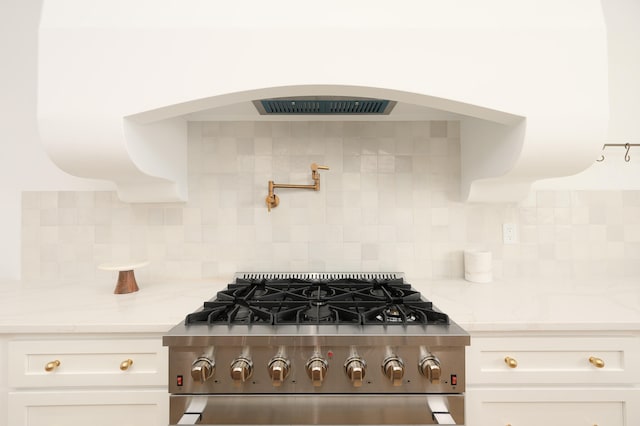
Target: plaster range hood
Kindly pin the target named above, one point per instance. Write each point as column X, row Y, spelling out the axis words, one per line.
column 119, row 80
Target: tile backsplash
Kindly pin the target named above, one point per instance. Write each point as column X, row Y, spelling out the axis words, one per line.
column 390, row 202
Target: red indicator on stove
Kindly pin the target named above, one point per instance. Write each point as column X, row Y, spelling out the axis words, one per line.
column 179, row 381
column 329, row 354
column 454, row 379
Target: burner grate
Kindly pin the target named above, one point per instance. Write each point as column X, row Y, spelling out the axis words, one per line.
column 279, row 299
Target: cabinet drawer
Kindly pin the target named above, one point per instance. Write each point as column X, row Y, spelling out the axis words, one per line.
column 55, row 363
column 105, row 408
column 567, row 407
column 553, row 359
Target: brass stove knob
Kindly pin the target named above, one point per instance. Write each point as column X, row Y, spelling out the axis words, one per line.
column 278, row 370
column 317, row 369
column 393, row 368
column 241, row 369
column 429, row 367
column 355, row 367
column 202, row 369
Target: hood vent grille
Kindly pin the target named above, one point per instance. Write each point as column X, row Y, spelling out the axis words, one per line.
column 318, row 106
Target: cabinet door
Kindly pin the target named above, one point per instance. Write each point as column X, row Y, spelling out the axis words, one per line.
column 566, row 407
column 131, row 408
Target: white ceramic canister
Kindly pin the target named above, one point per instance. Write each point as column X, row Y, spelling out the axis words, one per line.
column 478, row 266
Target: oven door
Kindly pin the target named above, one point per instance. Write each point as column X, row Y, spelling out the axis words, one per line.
column 309, row 409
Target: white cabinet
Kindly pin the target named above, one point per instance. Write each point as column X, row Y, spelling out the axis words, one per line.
column 569, row 406
column 553, row 379
column 98, row 380
column 97, row 408
column 87, row 362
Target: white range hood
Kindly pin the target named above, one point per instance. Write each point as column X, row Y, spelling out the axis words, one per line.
column 119, row 79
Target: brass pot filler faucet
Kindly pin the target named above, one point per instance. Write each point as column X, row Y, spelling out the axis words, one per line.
column 273, row 200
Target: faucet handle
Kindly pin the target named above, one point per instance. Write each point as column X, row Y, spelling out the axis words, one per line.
column 272, row 201
column 315, row 167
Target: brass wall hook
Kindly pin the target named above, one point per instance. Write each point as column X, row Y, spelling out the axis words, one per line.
column 273, row 200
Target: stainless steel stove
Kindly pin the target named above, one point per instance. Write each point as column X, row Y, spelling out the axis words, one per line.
column 317, row 348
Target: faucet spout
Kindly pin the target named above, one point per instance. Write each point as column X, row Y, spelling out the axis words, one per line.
column 316, row 176
column 272, row 199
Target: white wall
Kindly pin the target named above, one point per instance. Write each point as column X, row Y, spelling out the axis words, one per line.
column 623, row 30
column 23, row 163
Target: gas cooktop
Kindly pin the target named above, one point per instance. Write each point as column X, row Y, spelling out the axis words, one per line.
column 286, row 299
column 317, row 349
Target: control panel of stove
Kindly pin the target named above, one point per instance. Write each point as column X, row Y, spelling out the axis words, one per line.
column 266, row 369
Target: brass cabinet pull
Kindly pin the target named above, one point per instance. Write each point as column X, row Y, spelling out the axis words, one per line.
column 596, row 362
column 511, row 362
column 50, row 366
column 124, row 365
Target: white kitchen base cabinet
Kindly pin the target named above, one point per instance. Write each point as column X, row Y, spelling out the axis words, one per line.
column 82, row 362
column 553, row 378
column 87, row 379
column 71, row 408
column 562, row 407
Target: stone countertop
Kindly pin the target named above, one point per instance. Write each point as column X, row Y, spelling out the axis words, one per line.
column 537, row 305
column 158, row 306
column 93, row 308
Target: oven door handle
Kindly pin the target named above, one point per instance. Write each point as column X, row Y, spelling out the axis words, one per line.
column 190, row 419
column 444, row 418
column 440, row 411
column 193, row 413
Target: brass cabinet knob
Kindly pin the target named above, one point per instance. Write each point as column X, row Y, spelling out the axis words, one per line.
column 511, row 362
column 50, row 366
column 124, row 365
column 596, row 362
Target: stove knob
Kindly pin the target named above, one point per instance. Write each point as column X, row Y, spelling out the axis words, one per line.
column 429, row 367
column 355, row 368
column 393, row 368
column 202, row 369
column 278, row 370
column 317, row 369
column 241, row 369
